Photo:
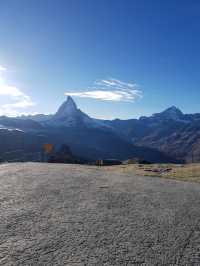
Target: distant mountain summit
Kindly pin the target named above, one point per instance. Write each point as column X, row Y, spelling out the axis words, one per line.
column 68, row 115
column 87, row 137
column 167, row 136
column 170, row 113
column 68, row 108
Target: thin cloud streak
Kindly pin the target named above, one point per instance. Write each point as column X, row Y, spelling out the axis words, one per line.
column 110, row 90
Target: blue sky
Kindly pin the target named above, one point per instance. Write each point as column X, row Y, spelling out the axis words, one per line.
column 147, row 50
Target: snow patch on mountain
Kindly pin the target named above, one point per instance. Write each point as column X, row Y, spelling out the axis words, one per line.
column 2, row 127
column 69, row 115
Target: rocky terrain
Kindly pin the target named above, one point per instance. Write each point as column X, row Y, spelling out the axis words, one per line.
column 169, row 136
column 172, row 132
column 87, row 137
column 85, row 215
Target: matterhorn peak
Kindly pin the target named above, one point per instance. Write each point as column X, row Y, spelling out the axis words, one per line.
column 71, row 102
column 67, row 108
column 69, row 115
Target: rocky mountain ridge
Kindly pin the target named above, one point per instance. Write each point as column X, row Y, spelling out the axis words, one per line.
column 166, row 136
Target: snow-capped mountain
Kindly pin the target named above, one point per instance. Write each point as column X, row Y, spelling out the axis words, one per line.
column 68, row 108
column 160, row 137
column 87, row 137
column 68, row 115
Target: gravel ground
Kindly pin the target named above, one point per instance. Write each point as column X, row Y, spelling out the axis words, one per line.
column 82, row 215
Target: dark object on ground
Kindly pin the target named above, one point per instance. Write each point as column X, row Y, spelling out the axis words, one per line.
column 108, row 162
column 158, row 170
column 144, row 162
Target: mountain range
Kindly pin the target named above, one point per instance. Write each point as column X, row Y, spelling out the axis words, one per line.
column 169, row 136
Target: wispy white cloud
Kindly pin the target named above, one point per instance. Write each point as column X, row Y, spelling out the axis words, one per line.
column 15, row 98
column 2, row 68
column 110, row 90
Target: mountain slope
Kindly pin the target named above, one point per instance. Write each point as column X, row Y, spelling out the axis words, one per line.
column 162, row 137
column 95, row 143
column 17, row 145
column 87, row 137
column 68, row 115
column 172, row 132
column 22, row 124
